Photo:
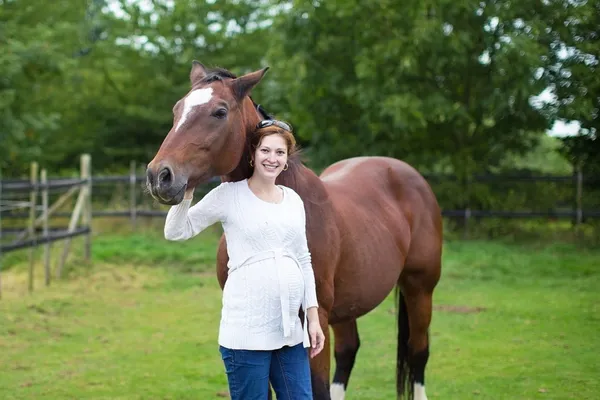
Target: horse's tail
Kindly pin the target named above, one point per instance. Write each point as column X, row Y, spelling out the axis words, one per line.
column 404, row 375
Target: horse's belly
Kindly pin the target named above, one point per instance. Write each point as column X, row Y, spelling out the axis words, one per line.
column 365, row 277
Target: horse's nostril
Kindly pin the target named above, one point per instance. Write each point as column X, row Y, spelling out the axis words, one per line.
column 150, row 176
column 165, row 176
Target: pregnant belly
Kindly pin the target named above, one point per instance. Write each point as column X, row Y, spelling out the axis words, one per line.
column 252, row 294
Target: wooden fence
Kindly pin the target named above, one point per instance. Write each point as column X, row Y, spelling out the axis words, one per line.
column 38, row 217
column 135, row 204
column 575, row 210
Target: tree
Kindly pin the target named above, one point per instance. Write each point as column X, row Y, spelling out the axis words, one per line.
column 35, row 37
column 130, row 80
column 82, row 77
column 574, row 75
column 441, row 84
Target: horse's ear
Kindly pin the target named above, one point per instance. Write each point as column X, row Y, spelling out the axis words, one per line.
column 244, row 84
column 198, row 71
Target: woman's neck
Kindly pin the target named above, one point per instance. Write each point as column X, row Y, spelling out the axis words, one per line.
column 262, row 184
column 264, row 188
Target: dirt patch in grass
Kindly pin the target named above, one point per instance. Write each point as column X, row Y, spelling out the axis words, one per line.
column 450, row 309
column 458, row 309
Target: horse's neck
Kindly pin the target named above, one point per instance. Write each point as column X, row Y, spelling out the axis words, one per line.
column 303, row 181
column 250, row 118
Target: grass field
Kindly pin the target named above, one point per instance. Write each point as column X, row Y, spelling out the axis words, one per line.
column 510, row 322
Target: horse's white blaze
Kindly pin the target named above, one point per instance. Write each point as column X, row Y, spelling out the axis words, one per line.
column 196, row 98
column 419, row 392
column 340, row 173
column 337, row 392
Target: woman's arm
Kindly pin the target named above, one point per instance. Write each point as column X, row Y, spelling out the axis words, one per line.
column 184, row 222
column 315, row 331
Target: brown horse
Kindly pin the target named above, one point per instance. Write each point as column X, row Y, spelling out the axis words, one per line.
column 373, row 224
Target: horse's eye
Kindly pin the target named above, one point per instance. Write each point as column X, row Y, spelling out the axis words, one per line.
column 220, row 113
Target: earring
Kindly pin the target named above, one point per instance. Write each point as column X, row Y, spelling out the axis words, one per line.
column 251, row 163
column 285, row 168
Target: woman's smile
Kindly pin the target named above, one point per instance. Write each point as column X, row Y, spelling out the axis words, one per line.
column 271, row 155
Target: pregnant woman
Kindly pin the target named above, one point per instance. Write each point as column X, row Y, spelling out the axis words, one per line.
column 270, row 275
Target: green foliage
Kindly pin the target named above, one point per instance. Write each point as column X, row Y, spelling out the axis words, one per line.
column 446, row 86
column 489, row 193
column 105, row 83
column 510, row 190
column 429, row 82
column 140, row 70
column 575, row 79
column 37, row 38
column 544, row 158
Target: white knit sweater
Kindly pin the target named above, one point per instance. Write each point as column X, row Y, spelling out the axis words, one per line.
column 269, row 265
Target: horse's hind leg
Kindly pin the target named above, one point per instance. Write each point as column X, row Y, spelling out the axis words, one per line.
column 418, row 307
column 347, row 343
column 415, row 309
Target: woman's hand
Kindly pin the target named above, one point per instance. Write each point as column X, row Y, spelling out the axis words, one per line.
column 317, row 337
column 189, row 194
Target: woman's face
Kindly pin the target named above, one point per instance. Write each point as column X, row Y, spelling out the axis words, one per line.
column 270, row 156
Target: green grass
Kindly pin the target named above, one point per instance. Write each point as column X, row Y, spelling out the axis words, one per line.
column 511, row 322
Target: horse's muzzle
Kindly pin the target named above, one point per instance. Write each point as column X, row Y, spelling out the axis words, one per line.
column 164, row 185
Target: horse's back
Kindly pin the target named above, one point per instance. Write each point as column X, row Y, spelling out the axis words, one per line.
column 376, row 179
column 389, row 190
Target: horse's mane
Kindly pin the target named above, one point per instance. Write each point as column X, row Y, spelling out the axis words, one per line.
column 295, row 168
column 217, row 74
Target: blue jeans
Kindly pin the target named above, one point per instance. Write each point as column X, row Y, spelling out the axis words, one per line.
column 249, row 373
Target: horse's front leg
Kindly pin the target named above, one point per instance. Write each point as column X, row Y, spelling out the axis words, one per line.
column 320, row 364
column 347, row 343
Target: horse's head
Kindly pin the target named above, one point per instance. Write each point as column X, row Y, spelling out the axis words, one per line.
column 208, row 136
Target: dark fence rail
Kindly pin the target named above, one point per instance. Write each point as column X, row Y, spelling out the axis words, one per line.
column 533, row 196
column 18, row 183
column 26, row 186
column 515, row 178
column 51, row 237
column 445, row 213
column 564, row 200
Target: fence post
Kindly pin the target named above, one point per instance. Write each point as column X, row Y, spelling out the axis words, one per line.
column 87, row 213
column 82, row 209
column 466, row 224
column 44, row 182
column 467, row 208
column 132, row 195
column 579, row 198
column 32, row 204
column 0, row 233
